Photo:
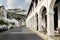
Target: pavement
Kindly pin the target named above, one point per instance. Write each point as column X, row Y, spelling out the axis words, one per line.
column 20, row 33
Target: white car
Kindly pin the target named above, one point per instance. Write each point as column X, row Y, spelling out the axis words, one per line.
column 3, row 28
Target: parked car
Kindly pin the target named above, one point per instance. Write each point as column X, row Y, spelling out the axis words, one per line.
column 3, row 28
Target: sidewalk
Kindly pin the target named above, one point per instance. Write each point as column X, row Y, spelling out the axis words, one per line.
column 44, row 36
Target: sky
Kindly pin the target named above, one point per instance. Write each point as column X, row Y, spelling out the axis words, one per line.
column 11, row 4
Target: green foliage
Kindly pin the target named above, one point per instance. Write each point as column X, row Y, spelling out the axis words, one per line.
column 16, row 16
column 6, row 23
column 2, row 22
column 13, row 23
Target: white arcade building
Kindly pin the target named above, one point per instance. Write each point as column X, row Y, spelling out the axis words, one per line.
column 44, row 15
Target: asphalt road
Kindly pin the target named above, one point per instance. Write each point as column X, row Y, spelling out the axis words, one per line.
column 21, row 33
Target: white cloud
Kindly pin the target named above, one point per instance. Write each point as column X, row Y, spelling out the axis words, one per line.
column 11, row 4
column 1, row 4
column 18, row 4
column 21, row 6
column 28, row 1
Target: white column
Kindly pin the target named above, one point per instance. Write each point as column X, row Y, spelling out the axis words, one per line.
column 34, row 5
column 40, row 23
column 35, row 23
column 50, row 23
column 29, row 24
column 32, row 22
column 38, row 1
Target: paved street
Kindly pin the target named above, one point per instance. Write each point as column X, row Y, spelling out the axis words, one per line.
column 21, row 33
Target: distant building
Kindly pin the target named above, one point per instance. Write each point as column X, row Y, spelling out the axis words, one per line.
column 17, row 14
column 17, row 11
column 3, row 13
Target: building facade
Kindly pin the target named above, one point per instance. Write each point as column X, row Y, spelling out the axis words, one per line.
column 44, row 15
column 17, row 14
column 3, row 13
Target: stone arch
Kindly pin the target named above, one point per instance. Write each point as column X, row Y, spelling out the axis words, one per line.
column 52, row 2
column 42, row 14
column 54, row 8
column 41, row 9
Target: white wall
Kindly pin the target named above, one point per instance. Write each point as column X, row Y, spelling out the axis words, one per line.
column 59, row 16
column 41, row 3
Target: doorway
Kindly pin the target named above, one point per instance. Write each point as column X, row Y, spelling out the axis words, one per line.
column 55, row 18
column 37, row 20
column 44, row 19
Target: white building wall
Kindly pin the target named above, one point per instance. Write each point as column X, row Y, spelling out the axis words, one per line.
column 50, row 23
column 3, row 13
column 59, row 16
